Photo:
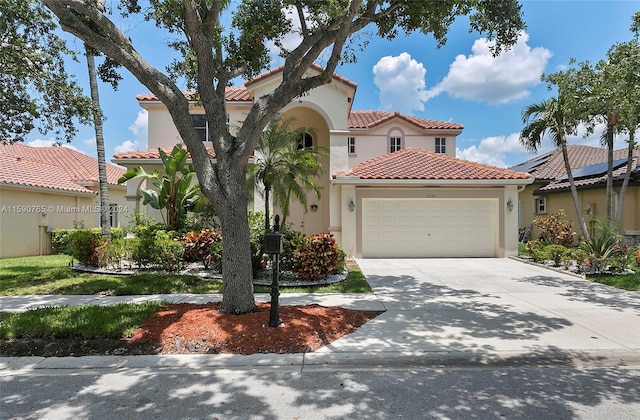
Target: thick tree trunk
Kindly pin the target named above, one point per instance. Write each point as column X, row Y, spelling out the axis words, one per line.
column 102, row 165
column 237, row 272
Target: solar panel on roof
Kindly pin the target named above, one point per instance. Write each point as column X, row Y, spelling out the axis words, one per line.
column 531, row 164
column 593, row 170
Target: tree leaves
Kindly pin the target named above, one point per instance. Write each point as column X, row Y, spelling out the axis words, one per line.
column 37, row 92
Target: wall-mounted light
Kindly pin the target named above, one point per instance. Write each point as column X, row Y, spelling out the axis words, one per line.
column 509, row 205
column 314, row 208
column 352, row 205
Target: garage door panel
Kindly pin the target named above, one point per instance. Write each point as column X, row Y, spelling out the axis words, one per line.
column 429, row 228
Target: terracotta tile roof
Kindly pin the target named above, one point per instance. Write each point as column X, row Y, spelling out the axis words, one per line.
column 151, row 154
column 317, row 67
column 421, row 164
column 232, row 94
column 370, row 119
column 51, row 167
column 551, row 165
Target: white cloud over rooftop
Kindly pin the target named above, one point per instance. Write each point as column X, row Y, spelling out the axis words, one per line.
column 401, row 83
column 482, row 77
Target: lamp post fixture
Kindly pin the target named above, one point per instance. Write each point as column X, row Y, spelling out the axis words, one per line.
column 273, row 245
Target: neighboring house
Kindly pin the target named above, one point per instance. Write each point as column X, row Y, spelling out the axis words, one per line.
column 392, row 186
column 45, row 188
column 551, row 190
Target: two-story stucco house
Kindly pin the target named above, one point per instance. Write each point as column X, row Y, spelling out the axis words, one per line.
column 392, row 185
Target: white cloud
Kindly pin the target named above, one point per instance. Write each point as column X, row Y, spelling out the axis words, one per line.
column 291, row 40
column 126, row 146
column 505, row 151
column 493, row 150
column 496, row 80
column 49, row 143
column 401, row 81
column 139, row 126
column 139, row 129
column 90, row 142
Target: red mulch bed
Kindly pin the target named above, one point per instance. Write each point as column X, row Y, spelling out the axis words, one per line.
column 193, row 328
column 186, row 328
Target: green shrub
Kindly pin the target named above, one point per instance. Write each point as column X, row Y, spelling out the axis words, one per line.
column 342, row 258
column 292, row 242
column 215, row 255
column 554, row 229
column 319, row 257
column 111, row 252
column 61, row 238
column 603, row 248
column 170, row 254
column 555, row 253
column 536, row 250
column 83, row 246
column 145, row 249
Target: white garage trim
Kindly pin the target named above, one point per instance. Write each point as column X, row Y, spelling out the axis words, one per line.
column 419, row 227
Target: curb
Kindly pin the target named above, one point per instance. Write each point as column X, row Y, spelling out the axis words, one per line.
column 343, row 360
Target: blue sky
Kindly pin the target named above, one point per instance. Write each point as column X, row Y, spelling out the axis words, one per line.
column 459, row 82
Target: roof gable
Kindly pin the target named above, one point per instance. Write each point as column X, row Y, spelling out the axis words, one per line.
column 419, row 164
column 370, row 119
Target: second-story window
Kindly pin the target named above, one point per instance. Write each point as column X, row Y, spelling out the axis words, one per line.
column 199, row 122
column 395, row 144
column 305, row 141
column 351, row 145
column 441, row 145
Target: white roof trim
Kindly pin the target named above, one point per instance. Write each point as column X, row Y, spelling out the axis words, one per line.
column 354, row 180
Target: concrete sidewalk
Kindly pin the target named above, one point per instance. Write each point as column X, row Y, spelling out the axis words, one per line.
column 438, row 311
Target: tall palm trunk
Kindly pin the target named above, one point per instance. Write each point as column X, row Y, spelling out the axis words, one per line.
column 609, row 170
column 574, row 192
column 627, row 176
column 267, row 191
column 102, row 166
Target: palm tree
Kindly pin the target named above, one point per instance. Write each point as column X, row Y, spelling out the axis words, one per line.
column 102, row 166
column 284, row 169
column 549, row 116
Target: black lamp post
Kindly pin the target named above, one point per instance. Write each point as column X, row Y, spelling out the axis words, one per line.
column 273, row 245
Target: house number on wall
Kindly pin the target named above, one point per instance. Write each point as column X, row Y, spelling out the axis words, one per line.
column 430, row 196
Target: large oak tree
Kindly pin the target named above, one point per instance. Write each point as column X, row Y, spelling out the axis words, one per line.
column 213, row 55
column 36, row 90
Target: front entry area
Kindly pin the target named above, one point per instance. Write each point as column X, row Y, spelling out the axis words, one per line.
column 429, row 228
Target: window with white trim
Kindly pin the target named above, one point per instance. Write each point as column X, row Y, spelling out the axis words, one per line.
column 305, row 141
column 441, row 145
column 351, row 145
column 395, row 144
column 114, row 215
column 540, row 204
column 199, row 122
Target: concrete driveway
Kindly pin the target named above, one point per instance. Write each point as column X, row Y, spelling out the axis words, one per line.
column 484, row 309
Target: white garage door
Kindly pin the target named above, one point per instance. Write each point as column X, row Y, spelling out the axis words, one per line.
column 412, row 228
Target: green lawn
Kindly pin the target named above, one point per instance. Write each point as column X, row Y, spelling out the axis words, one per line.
column 50, row 275
column 624, row 282
column 82, row 322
